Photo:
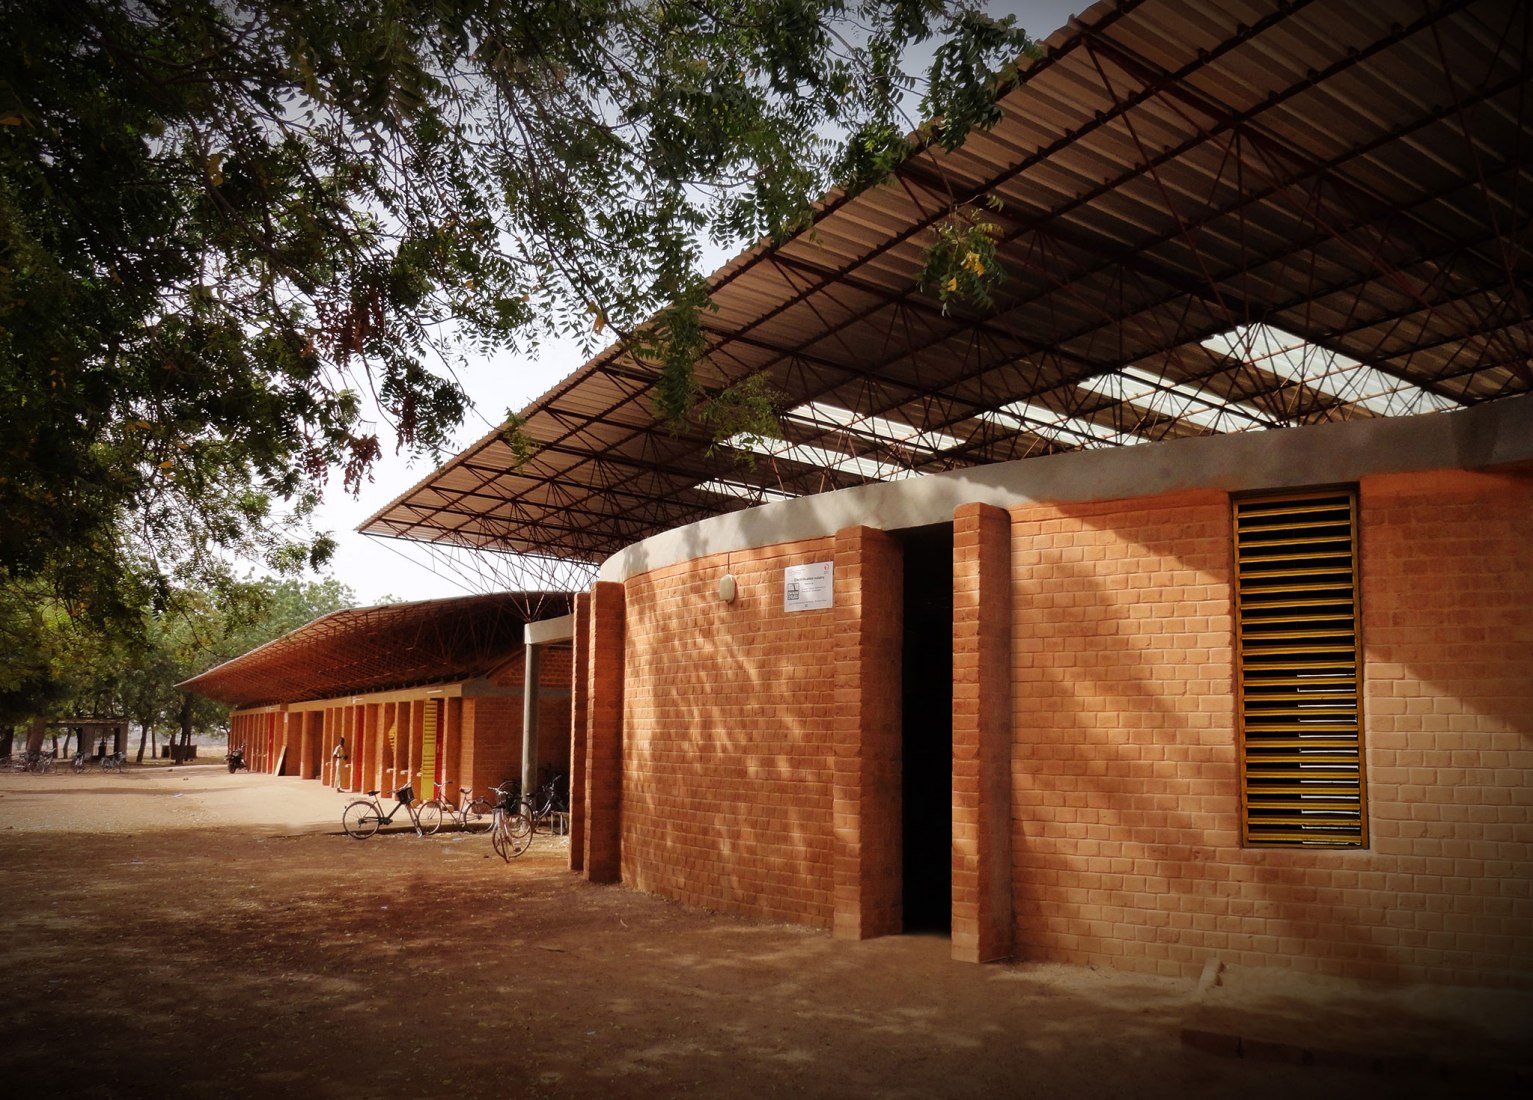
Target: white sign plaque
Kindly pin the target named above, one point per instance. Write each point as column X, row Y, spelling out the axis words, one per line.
column 807, row 587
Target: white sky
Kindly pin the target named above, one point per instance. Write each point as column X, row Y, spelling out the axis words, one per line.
column 375, row 568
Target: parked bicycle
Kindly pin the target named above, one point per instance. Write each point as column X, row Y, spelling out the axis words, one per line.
column 511, row 831
column 29, row 761
column 115, row 763
column 364, row 817
column 472, row 815
column 547, row 808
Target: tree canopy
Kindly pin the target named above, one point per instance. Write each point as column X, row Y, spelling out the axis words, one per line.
column 67, row 665
column 223, row 223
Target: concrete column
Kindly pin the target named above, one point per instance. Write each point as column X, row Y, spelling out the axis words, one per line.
column 982, row 913
column 532, row 669
column 869, row 610
column 604, row 737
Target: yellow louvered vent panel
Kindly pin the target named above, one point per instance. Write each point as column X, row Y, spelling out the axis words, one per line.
column 1297, row 648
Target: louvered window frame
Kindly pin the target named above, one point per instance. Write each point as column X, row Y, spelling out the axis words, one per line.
column 1298, row 670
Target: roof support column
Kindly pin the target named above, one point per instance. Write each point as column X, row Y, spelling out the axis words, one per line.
column 532, row 675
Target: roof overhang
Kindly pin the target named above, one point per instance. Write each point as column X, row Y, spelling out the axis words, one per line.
column 368, row 650
column 1215, row 216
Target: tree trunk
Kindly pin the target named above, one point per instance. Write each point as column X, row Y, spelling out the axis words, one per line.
column 183, row 751
column 143, row 738
column 7, row 738
column 36, row 733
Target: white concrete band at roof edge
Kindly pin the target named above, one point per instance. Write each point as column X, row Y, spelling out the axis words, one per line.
column 549, row 631
column 1491, row 434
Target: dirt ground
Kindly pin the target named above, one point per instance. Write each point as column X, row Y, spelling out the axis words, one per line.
column 181, row 932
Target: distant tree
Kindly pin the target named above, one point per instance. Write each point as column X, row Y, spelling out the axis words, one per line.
column 64, row 666
column 27, row 647
column 223, row 221
column 245, row 616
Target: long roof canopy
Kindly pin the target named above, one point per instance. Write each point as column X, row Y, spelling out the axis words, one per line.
column 378, row 648
column 1214, row 216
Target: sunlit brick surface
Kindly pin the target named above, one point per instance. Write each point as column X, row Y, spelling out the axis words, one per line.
column 727, row 738
column 760, row 757
column 1125, row 760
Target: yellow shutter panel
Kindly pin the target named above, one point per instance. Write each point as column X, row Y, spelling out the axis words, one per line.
column 1298, row 670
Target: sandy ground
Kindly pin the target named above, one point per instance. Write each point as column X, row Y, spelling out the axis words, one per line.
column 184, row 932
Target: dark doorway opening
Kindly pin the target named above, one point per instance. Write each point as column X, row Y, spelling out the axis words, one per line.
column 926, row 678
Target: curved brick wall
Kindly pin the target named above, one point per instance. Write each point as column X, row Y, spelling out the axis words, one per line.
column 755, row 753
column 727, row 795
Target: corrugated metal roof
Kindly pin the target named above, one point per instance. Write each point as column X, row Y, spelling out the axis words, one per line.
column 380, row 648
column 1216, row 215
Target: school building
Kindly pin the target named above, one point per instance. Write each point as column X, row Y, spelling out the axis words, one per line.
column 1170, row 604
column 420, row 693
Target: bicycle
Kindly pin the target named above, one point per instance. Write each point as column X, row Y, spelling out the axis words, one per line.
column 473, row 815
column 364, row 817
column 511, row 830
column 29, row 761
column 547, row 806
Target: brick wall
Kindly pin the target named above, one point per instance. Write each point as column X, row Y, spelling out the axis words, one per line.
column 488, row 749
column 1126, row 827
column 556, row 666
column 1447, row 596
column 1125, row 779
column 553, row 669
column 554, row 672
column 491, row 750
column 727, row 785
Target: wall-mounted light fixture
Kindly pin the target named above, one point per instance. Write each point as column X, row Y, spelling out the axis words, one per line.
column 727, row 588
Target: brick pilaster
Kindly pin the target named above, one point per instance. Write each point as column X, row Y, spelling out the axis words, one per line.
column 303, row 724
column 580, row 694
column 604, row 735
column 982, row 921
column 451, row 746
column 869, row 607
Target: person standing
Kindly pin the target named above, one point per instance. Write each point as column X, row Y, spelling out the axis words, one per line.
column 337, row 759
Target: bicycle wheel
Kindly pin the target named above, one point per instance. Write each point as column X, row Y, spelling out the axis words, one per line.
column 479, row 816
column 521, row 823
column 360, row 819
column 429, row 820
column 512, row 833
